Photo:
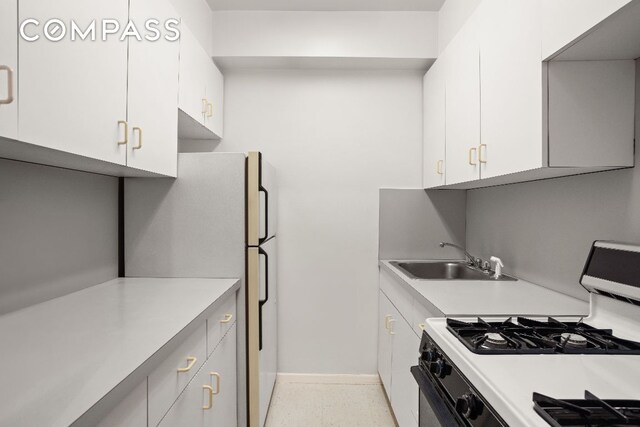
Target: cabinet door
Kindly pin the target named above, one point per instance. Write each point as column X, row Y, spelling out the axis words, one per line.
column 511, row 87
column 563, row 21
column 404, row 389
column 386, row 314
column 434, row 126
column 215, row 96
column 73, row 93
column 153, row 94
column 463, row 105
column 193, row 76
column 8, row 68
column 211, row 398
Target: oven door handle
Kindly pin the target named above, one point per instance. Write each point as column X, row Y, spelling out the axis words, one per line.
column 440, row 408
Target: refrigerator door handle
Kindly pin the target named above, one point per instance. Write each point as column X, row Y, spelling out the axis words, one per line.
column 266, row 214
column 266, row 290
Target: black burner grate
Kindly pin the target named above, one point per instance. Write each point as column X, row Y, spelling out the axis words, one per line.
column 589, row 411
column 528, row 336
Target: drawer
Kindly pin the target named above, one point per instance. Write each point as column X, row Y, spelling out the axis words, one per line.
column 420, row 314
column 219, row 322
column 169, row 379
column 398, row 296
column 210, row 399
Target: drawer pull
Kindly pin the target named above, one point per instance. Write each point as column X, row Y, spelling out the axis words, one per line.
column 472, row 153
column 422, row 326
column 205, row 104
column 386, row 321
column 482, row 148
column 139, row 146
column 190, row 362
column 126, row 132
column 9, row 98
column 391, row 322
column 217, row 377
column 210, row 393
column 209, row 109
column 227, row 318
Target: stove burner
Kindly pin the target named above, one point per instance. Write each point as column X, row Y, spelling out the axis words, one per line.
column 494, row 340
column 530, row 336
column 573, row 340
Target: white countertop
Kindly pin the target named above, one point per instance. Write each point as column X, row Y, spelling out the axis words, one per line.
column 60, row 357
column 489, row 297
column 507, row 382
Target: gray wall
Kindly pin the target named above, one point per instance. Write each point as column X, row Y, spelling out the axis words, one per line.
column 58, row 232
column 543, row 230
column 413, row 222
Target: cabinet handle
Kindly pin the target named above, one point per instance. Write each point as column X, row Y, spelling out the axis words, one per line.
column 472, row 150
column 204, row 105
column 209, row 110
column 439, row 167
column 480, row 158
column 139, row 146
column 391, row 322
column 190, row 362
column 227, row 318
column 422, row 326
column 126, row 132
column 9, row 98
column 217, row 377
column 210, row 393
column 386, row 321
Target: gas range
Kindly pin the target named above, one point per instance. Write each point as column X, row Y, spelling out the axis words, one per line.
column 541, row 371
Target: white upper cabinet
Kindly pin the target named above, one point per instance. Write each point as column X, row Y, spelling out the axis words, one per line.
column 8, row 69
column 434, row 165
column 201, row 92
column 73, row 93
column 462, row 77
column 512, row 117
column 564, row 21
column 153, row 94
column 511, row 87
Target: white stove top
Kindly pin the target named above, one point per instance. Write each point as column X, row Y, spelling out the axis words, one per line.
column 507, row 382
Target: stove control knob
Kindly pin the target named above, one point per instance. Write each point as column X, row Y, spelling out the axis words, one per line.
column 441, row 368
column 430, row 355
column 469, row 406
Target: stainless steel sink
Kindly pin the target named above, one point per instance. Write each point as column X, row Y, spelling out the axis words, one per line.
column 445, row 270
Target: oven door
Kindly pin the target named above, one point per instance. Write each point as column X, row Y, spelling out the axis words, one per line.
column 433, row 410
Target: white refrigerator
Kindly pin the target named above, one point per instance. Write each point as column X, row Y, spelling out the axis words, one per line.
column 217, row 219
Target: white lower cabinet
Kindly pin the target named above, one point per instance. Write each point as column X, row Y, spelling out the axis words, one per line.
column 397, row 352
column 404, row 390
column 386, row 313
column 210, row 398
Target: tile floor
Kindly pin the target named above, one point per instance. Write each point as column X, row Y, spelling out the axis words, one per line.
column 324, row 405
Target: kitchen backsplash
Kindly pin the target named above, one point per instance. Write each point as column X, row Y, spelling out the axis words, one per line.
column 543, row 230
column 58, row 232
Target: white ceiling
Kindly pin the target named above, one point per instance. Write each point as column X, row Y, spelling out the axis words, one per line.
column 388, row 5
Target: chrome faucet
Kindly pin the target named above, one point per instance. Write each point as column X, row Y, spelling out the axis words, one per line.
column 470, row 259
